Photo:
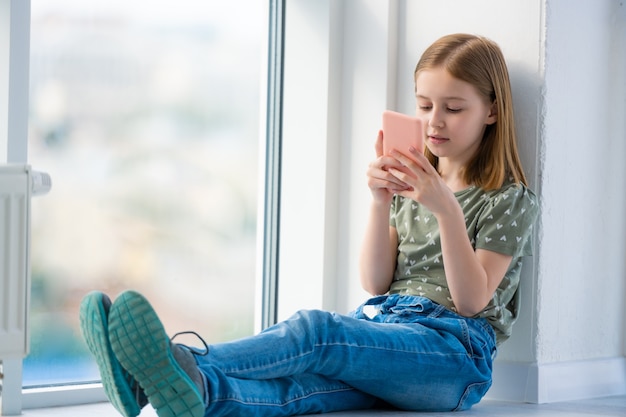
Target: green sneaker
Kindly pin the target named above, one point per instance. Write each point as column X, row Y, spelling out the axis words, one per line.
column 167, row 372
column 120, row 387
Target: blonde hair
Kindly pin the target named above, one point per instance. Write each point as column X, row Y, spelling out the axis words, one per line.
column 479, row 61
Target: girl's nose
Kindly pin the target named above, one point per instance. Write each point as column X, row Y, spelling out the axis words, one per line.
column 436, row 119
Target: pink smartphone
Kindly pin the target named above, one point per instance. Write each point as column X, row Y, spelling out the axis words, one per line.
column 400, row 132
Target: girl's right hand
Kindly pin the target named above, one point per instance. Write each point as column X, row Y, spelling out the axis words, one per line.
column 382, row 184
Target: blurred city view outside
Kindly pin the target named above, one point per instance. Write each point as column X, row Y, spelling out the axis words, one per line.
column 146, row 116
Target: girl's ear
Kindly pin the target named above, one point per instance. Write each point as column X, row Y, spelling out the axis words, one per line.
column 493, row 114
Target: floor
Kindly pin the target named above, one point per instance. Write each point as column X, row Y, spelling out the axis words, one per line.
column 609, row 406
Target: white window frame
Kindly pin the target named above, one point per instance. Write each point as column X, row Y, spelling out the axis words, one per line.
column 14, row 95
column 14, row 74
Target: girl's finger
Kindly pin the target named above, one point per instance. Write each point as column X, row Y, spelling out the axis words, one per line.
column 413, row 164
column 385, row 179
column 421, row 158
column 379, row 144
column 403, row 181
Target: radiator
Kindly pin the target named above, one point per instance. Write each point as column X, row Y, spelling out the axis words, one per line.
column 18, row 183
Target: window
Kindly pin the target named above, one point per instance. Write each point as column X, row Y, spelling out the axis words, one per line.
column 146, row 116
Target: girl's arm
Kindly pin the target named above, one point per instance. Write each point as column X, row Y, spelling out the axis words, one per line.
column 472, row 276
column 379, row 250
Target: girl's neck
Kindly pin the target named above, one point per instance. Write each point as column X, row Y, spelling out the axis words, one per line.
column 453, row 176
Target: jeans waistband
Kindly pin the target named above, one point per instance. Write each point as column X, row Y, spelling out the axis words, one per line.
column 425, row 307
column 386, row 303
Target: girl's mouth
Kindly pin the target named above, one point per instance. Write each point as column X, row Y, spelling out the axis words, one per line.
column 437, row 140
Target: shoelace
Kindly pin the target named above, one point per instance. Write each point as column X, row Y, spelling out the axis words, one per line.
column 192, row 349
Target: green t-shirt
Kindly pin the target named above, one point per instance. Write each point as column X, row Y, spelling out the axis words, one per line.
column 499, row 220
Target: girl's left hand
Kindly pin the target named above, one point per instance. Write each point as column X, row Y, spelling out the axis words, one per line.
column 428, row 188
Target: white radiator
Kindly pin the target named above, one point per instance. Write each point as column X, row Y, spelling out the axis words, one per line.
column 18, row 183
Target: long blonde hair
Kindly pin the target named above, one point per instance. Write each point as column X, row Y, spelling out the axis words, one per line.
column 479, row 61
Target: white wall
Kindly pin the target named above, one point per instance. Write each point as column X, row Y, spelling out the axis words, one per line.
column 581, row 273
column 566, row 59
column 336, row 87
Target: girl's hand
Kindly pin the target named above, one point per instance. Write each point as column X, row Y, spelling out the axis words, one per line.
column 425, row 185
column 382, row 183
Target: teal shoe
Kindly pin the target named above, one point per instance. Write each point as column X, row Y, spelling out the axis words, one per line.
column 120, row 387
column 167, row 372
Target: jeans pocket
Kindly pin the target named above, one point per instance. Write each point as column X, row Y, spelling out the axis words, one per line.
column 465, row 338
column 482, row 339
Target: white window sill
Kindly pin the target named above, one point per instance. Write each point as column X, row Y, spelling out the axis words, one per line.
column 610, row 406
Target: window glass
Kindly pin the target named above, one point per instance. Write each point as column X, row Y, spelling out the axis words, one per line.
column 146, row 116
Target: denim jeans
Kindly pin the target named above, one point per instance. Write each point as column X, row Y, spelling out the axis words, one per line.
column 413, row 355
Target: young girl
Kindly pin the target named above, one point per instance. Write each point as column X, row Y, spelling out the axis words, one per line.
column 441, row 256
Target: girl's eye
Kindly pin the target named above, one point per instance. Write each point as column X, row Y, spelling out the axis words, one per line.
column 428, row 107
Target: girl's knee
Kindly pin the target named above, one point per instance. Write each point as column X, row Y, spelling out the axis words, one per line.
column 313, row 320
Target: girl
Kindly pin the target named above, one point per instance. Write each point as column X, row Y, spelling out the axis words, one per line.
column 441, row 256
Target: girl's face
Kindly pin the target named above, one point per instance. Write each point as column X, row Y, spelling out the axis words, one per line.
column 453, row 114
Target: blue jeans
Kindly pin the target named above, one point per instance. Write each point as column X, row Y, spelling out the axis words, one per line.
column 413, row 355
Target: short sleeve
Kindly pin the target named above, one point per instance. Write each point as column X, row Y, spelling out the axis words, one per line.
column 506, row 223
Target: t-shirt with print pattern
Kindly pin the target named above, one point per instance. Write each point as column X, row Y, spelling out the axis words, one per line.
column 499, row 220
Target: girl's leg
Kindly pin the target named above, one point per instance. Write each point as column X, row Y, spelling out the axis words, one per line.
column 300, row 394
column 176, row 387
column 415, row 355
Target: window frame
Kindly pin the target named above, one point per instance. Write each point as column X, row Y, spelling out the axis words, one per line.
column 14, row 84
column 272, row 167
column 14, row 79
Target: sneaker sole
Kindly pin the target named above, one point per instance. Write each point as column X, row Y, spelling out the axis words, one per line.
column 142, row 346
column 93, row 325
